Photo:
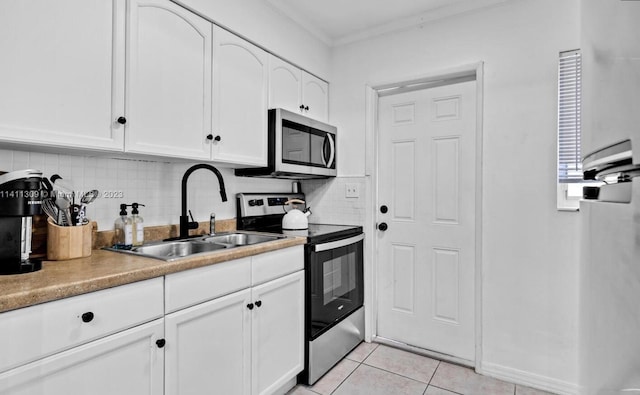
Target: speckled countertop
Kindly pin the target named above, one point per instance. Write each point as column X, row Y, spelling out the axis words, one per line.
column 106, row 269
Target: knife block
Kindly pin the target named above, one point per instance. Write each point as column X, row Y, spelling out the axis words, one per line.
column 68, row 242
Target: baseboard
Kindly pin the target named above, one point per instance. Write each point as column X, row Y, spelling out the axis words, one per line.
column 528, row 379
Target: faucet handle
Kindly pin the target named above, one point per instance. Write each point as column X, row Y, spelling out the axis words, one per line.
column 212, row 224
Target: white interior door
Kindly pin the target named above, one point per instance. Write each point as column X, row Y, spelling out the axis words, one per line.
column 427, row 141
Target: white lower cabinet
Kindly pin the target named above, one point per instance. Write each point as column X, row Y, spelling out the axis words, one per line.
column 244, row 338
column 248, row 342
column 209, row 347
column 277, row 339
column 129, row 362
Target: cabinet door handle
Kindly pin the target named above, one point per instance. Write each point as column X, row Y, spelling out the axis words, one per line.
column 250, row 306
column 160, row 343
column 87, row 317
column 258, row 303
column 121, row 120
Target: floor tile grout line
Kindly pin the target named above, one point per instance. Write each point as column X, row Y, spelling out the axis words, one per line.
column 394, row 373
column 446, row 389
column 401, row 375
column 345, row 379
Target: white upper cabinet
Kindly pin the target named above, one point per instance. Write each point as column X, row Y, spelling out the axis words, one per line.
column 285, row 85
column 240, row 86
column 315, row 97
column 169, row 66
column 297, row 91
column 62, row 73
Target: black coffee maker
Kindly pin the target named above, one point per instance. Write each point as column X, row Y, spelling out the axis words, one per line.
column 21, row 194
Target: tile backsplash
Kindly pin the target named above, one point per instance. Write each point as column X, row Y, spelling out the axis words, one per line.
column 157, row 185
column 329, row 204
column 152, row 183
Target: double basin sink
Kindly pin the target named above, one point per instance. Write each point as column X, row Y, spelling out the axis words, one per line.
column 176, row 249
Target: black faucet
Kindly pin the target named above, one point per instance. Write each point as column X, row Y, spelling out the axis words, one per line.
column 185, row 225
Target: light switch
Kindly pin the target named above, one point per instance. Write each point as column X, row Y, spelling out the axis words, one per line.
column 351, row 190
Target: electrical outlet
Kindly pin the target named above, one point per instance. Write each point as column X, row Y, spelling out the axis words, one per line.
column 351, row 191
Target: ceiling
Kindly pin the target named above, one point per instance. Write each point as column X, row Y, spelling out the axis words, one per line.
column 338, row 22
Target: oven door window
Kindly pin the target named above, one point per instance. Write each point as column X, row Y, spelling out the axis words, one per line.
column 336, row 285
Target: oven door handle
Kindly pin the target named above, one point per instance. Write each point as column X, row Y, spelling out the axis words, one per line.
column 338, row 243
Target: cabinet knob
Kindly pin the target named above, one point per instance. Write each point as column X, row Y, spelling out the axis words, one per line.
column 121, row 120
column 216, row 138
column 258, row 303
column 250, row 306
column 301, row 106
column 160, row 343
column 384, row 209
column 306, row 108
column 87, row 317
column 383, row 226
column 209, row 137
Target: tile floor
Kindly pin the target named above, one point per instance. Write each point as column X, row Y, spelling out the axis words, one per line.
column 373, row 369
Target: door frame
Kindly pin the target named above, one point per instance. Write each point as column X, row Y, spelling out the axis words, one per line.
column 373, row 92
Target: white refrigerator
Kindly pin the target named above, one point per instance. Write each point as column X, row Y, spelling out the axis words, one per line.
column 609, row 335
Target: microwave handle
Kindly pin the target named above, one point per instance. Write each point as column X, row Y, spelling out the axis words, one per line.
column 332, row 155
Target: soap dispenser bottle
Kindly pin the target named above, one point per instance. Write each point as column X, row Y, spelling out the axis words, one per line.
column 124, row 229
column 137, row 225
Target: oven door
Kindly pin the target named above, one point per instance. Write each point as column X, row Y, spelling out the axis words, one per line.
column 335, row 285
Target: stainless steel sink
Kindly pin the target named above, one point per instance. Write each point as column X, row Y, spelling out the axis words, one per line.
column 172, row 250
column 240, row 239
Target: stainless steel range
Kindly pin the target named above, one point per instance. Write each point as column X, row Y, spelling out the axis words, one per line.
column 334, row 286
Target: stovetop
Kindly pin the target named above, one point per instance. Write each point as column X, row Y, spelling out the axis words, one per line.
column 264, row 211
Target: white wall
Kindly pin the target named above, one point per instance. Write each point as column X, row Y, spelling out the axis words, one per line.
column 529, row 258
column 260, row 23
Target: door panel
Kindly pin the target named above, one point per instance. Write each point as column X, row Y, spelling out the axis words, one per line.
column 128, row 362
column 61, row 87
column 168, row 81
column 240, row 100
column 278, row 332
column 215, row 337
column 426, row 256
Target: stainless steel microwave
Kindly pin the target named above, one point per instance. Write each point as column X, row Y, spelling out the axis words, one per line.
column 299, row 148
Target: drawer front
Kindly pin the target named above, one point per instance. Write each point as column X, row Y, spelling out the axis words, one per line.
column 34, row 332
column 195, row 286
column 271, row 265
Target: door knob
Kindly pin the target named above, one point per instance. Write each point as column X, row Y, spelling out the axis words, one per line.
column 383, row 226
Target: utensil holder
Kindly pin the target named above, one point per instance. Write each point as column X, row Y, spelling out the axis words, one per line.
column 68, row 242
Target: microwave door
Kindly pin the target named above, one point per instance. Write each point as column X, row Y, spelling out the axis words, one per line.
column 292, row 148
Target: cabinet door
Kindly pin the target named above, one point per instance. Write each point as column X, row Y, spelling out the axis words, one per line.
column 285, row 85
column 209, row 347
column 278, row 332
column 168, row 81
column 240, row 101
column 315, row 95
column 62, row 72
column 128, row 362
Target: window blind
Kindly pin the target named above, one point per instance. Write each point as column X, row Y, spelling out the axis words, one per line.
column 569, row 106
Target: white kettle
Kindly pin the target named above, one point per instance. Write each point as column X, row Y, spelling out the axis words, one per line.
column 295, row 219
